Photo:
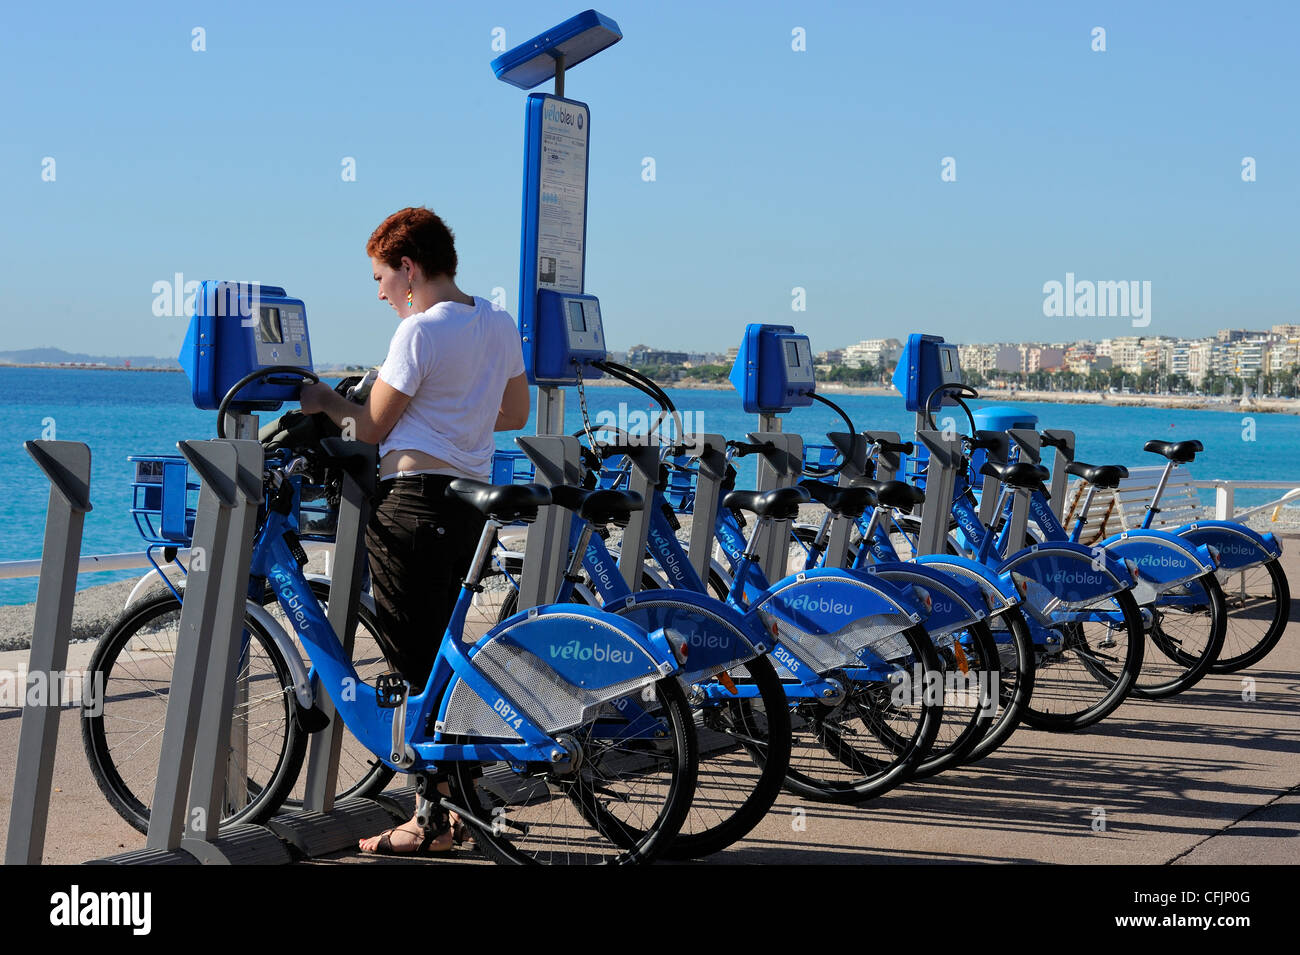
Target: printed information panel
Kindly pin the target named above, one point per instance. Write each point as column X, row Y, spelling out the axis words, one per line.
column 554, row 241
column 562, row 198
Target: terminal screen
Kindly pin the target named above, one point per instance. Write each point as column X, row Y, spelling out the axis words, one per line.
column 268, row 326
column 577, row 322
column 792, row 353
column 945, row 356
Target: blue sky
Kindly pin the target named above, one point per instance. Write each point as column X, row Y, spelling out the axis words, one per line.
column 775, row 169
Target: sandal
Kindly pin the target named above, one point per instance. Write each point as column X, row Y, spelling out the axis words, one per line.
column 385, row 846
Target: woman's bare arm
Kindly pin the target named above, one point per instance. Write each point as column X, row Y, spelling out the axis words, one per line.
column 516, row 402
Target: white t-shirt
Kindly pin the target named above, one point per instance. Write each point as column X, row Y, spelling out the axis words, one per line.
column 454, row 361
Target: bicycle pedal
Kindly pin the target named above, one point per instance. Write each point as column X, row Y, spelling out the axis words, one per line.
column 390, row 690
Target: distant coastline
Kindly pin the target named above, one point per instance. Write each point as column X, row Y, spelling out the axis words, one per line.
column 85, row 367
column 1252, row 405
column 1186, row 402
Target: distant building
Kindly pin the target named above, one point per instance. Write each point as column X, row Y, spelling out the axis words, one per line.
column 867, row 354
column 640, row 355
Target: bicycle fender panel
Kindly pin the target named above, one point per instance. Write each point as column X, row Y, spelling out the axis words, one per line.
column 1071, row 573
column 556, row 664
column 717, row 636
column 1234, row 545
column 946, row 603
column 1159, row 560
column 834, row 619
column 999, row 590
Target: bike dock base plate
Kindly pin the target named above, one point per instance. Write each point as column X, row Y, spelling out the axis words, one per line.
column 240, row 845
column 316, row 834
column 147, row 857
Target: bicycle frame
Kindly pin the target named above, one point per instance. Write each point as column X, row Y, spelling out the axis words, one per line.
column 641, row 660
column 763, row 605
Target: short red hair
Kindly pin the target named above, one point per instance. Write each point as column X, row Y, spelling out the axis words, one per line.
column 419, row 234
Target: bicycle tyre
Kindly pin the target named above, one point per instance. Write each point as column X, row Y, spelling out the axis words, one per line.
column 1016, row 686
column 1105, row 690
column 1186, row 667
column 1241, row 647
column 716, row 819
column 285, row 750
column 589, row 828
column 971, row 720
column 825, row 734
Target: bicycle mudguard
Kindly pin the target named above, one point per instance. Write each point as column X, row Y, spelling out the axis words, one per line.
column 716, row 635
column 1070, row 572
column 946, row 603
column 555, row 663
column 834, row 618
column 1158, row 560
column 999, row 590
column 1235, row 546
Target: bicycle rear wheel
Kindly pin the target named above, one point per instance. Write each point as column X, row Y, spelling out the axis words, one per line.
column 131, row 671
column 622, row 803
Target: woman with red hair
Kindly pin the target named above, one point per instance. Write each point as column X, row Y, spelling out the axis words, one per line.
column 454, row 374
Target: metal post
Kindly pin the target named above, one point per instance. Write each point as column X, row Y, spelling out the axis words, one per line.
column 940, row 478
column 780, row 467
column 854, row 449
column 644, row 479
column 711, row 449
column 217, row 464
column 1028, row 440
column 345, row 597
column 67, row 466
column 558, row 461
column 989, row 489
column 213, row 742
column 1061, row 460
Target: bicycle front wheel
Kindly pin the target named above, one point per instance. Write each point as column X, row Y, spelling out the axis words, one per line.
column 1258, row 603
column 122, row 728
column 870, row 738
column 1184, row 630
column 1087, row 672
column 620, row 801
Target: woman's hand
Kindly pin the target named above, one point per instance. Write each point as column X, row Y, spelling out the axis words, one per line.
column 314, row 396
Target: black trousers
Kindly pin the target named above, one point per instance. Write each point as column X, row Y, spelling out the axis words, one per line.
column 420, row 544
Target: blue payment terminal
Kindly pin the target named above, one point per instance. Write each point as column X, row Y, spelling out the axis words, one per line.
column 238, row 328
column 569, row 337
column 774, row 370
column 926, row 363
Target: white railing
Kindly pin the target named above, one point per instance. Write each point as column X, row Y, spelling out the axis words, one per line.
column 1225, row 496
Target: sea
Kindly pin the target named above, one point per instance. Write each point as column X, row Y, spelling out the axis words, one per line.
column 121, row 413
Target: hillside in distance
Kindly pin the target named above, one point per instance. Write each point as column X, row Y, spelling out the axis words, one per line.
column 57, row 356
